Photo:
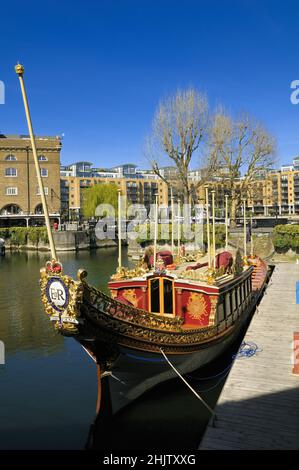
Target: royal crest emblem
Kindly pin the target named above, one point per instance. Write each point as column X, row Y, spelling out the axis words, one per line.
column 62, row 297
column 57, row 294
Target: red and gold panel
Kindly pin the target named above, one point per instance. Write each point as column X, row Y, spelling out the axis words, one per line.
column 199, row 309
column 132, row 296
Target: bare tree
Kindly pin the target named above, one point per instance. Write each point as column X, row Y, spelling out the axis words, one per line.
column 179, row 126
column 241, row 151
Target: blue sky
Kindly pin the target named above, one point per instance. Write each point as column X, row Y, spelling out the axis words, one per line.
column 96, row 70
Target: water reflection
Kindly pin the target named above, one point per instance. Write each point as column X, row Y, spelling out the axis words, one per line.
column 48, row 384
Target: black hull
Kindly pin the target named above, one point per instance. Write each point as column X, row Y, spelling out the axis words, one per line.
column 132, row 372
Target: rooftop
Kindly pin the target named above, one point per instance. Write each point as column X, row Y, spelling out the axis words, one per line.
column 27, row 137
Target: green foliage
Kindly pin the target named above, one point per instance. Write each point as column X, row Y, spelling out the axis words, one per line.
column 18, row 235
column 24, row 235
column 4, row 233
column 103, row 193
column 219, row 235
column 238, row 264
column 32, row 235
column 43, row 235
column 286, row 237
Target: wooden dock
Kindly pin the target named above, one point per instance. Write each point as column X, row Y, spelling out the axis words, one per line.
column 259, row 404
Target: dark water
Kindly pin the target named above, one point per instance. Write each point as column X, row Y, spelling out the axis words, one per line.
column 48, row 385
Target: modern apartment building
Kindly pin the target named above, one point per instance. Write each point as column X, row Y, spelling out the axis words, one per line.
column 138, row 187
column 272, row 193
column 275, row 192
column 20, row 201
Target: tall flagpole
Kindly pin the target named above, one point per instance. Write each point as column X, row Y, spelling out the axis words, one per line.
column 20, row 71
column 172, row 223
column 214, row 235
column 208, row 227
column 226, row 222
column 156, row 231
column 119, row 227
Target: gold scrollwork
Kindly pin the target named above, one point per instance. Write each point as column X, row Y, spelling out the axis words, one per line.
column 66, row 321
column 213, row 301
column 196, row 306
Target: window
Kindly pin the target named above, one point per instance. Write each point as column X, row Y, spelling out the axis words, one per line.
column 45, row 189
column 39, row 209
column 11, row 172
column 11, row 191
column 161, row 298
column 44, row 172
column 42, row 158
column 10, row 158
column 11, row 210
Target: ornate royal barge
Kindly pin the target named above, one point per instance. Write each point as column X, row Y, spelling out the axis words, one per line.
column 162, row 318
column 191, row 314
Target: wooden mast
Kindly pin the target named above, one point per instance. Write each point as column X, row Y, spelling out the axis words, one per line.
column 245, row 241
column 20, row 71
column 208, row 227
column 214, row 235
column 226, row 222
column 172, row 223
column 119, row 227
column 179, row 227
column 251, row 238
column 156, row 231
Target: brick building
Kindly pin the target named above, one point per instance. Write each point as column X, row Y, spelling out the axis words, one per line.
column 20, row 201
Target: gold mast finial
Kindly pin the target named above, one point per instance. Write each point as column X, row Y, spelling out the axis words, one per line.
column 19, row 69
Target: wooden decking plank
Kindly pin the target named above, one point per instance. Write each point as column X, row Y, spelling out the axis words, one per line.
column 259, row 404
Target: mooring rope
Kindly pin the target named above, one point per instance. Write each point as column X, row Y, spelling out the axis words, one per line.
column 188, row 385
column 247, row 349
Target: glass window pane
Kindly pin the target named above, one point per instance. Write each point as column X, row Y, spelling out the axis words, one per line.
column 168, row 298
column 155, row 295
